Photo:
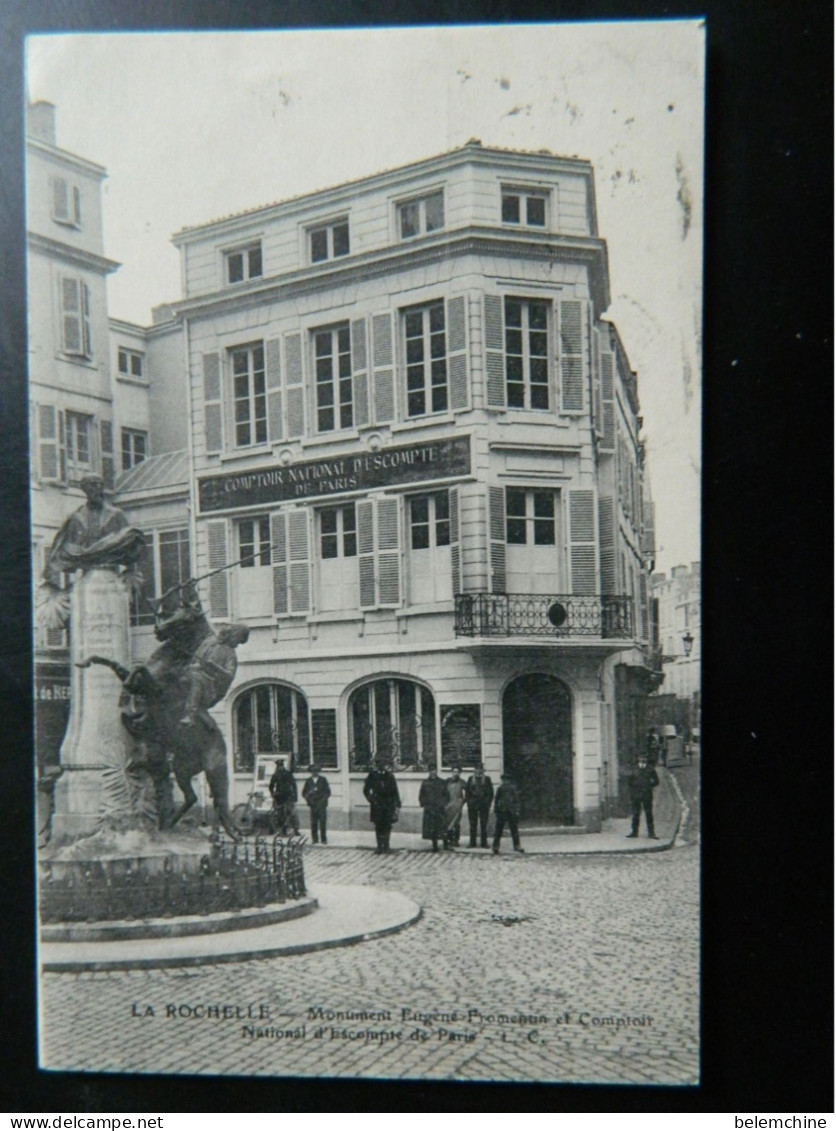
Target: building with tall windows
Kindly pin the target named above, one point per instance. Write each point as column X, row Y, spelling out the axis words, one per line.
column 414, row 441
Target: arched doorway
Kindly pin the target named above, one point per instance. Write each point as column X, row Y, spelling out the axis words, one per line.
column 537, row 747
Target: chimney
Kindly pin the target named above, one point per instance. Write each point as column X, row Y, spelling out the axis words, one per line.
column 40, row 121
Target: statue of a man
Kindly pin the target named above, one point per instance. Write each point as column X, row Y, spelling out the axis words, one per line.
column 97, row 535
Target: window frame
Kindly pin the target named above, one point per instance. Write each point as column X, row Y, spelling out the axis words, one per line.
column 183, row 540
column 525, row 330
column 420, row 201
column 245, row 251
column 259, row 536
column 72, row 218
column 77, row 468
column 328, row 227
column 83, row 351
column 427, row 361
column 436, row 524
column 337, row 381
column 344, row 536
column 131, row 356
column 132, row 435
column 427, row 755
column 256, row 399
column 523, row 194
column 301, row 736
column 531, row 521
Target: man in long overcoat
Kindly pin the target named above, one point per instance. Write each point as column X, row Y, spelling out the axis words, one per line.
column 455, row 786
column 643, row 781
column 284, row 793
column 433, row 797
column 478, row 795
column 381, row 792
column 316, row 792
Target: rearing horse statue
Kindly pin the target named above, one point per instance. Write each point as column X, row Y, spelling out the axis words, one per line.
column 165, row 703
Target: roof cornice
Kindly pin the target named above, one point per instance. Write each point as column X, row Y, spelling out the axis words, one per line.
column 392, row 260
column 77, row 256
column 79, row 163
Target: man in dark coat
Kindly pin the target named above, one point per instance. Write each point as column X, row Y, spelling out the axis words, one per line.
column 478, row 794
column 507, row 808
column 381, row 792
column 284, row 793
column 433, row 797
column 643, row 781
column 455, row 787
column 316, row 792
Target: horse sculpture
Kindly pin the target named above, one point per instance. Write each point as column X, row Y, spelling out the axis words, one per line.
column 165, row 704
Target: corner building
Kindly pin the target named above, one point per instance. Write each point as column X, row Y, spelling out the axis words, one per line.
column 417, row 438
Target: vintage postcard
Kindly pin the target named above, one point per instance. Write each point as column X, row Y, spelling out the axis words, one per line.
column 365, row 400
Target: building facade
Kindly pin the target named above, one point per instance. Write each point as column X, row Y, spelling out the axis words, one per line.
column 678, row 603
column 414, row 441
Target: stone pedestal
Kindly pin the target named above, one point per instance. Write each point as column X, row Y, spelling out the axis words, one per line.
column 95, row 741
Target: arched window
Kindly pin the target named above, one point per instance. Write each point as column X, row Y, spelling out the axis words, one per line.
column 270, row 719
column 393, row 719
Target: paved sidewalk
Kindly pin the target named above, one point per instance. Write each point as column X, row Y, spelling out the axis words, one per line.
column 612, row 838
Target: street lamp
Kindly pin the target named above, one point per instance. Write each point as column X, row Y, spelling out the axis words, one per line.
column 687, row 643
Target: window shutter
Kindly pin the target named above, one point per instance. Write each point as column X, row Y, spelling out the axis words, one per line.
column 60, row 199
column 49, row 444
column 645, row 623
column 212, row 403
column 388, row 552
column 597, row 417
column 278, row 546
column 273, row 377
column 496, row 507
column 365, row 553
column 607, row 401
column 216, row 533
column 606, row 538
column 300, row 571
column 106, row 446
column 384, row 379
column 455, row 545
column 457, row 367
column 324, row 734
column 360, row 372
column 294, row 387
column 572, row 312
column 71, row 333
column 86, row 335
column 494, row 353
column 76, row 206
column 582, row 541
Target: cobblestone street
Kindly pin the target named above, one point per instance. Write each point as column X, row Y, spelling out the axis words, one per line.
column 552, row 968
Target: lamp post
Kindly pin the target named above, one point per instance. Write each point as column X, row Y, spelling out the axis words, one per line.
column 687, row 643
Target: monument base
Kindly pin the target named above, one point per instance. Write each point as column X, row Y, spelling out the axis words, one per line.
column 78, row 802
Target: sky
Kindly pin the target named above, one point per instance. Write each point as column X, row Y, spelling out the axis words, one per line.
column 194, row 126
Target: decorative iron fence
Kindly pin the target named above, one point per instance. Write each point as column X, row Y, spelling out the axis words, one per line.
column 231, row 877
column 548, row 615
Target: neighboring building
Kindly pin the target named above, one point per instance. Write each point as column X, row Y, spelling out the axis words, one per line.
column 677, row 598
column 419, row 441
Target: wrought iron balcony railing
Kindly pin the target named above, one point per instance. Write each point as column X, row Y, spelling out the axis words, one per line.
column 547, row 615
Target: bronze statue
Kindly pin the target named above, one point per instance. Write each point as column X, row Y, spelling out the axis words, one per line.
column 165, row 703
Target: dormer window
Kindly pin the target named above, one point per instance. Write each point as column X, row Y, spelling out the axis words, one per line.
column 66, row 202
column 522, row 207
column 243, row 264
column 420, row 216
column 330, row 241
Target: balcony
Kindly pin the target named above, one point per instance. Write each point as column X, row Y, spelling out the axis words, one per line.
column 548, row 615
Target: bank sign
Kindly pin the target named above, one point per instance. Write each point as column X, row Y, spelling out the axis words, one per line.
column 411, row 463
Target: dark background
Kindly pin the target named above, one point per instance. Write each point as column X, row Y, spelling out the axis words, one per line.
column 768, row 613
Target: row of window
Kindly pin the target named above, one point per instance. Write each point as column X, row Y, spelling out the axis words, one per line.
column 390, row 718
column 419, row 216
column 427, row 364
column 77, row 449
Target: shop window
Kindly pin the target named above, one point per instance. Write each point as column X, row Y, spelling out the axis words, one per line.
column 393, row 719
column 270, row 719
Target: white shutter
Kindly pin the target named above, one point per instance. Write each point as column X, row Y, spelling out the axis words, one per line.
column 458, row 373
column 360, row 372
column 383, row 364
column 60, row 200
column 494, row 353
column 496, row 536
column 455, row 541
column 571, row 358
column 106, row 451
column 278, row 556
column 582, row 541
column 218, row 541
column 86, row 333
column 365, row 553
column 294, row 386
column 298, row 538
column 212, row 403
column 606, row 537
column 72, row 340
column 388, row 552
column 51, row 464
column 273, row 377
column 607, row 401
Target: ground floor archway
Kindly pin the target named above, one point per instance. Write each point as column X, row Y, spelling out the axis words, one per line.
column 537, row 747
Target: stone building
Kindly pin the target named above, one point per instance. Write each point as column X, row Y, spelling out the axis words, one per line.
column 414, row 438
column 677, row 599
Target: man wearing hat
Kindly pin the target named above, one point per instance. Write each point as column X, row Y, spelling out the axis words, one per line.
column 284, row 793
column 381, row 792
column 507, row 808
column 643, row 781
column 316, row 792
column 478, row 793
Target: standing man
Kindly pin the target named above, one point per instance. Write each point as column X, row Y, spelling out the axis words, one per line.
column 478, row 794
column 316, row 792
column 381, row 792
column 643, row 781
column 507, row 808
column 455, row 787
column 284, row 793
column 433, row 797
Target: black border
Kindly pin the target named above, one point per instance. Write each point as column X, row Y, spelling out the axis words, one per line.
column 768, row 728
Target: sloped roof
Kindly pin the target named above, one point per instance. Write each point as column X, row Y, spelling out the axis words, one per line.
column 171, row 469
